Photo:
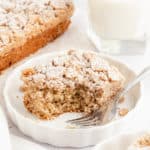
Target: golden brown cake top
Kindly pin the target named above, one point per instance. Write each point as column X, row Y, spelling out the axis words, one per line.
column 74, row 68
column 22, row 19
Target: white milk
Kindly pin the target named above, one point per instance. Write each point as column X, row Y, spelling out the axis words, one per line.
column 118, row 19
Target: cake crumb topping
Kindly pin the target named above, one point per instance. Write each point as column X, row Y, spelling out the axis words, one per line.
column 123, row 111
column 23, row 18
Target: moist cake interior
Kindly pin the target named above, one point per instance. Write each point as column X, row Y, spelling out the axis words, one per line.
column 70, row 82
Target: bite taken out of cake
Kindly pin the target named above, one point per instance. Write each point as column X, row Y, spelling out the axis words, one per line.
column 70, row 82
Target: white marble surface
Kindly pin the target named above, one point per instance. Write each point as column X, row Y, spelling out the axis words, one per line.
column 76, row 38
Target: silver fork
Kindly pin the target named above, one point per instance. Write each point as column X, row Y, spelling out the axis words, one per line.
column 99, row 117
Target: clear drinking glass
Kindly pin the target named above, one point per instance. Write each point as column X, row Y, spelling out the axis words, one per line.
column 118, row 26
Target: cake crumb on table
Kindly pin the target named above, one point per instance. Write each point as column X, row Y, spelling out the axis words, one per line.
column 143, row 141
column 123, row 111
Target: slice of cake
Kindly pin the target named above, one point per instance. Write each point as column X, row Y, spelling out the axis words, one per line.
column 71, row 82
column 27, row 25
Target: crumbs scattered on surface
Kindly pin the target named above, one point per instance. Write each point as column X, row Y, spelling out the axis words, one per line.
column 123, row 112
column 143, row 141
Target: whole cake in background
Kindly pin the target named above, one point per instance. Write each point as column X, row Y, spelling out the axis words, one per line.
column 71, row 82
column 27, row 25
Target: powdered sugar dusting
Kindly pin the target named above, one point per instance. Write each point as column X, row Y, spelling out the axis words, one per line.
column 76, row 68
column 22, row 18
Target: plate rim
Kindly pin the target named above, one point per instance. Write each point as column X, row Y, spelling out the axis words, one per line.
column 61, row 52
column 88, row 134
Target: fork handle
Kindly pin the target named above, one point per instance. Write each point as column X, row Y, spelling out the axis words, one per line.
column 137, row 79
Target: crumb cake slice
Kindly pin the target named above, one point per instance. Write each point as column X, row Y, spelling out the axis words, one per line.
column 27, row 25
column 71, row 82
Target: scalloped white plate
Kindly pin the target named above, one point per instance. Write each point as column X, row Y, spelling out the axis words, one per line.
column 56, row 132
column 124, row 141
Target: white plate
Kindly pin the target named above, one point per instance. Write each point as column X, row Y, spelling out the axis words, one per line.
column 122, row 142
column 55, row 132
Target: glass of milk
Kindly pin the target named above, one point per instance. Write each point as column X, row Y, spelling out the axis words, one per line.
column 118, row 26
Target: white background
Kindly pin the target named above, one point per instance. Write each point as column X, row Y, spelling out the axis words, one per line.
column 76, row 38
